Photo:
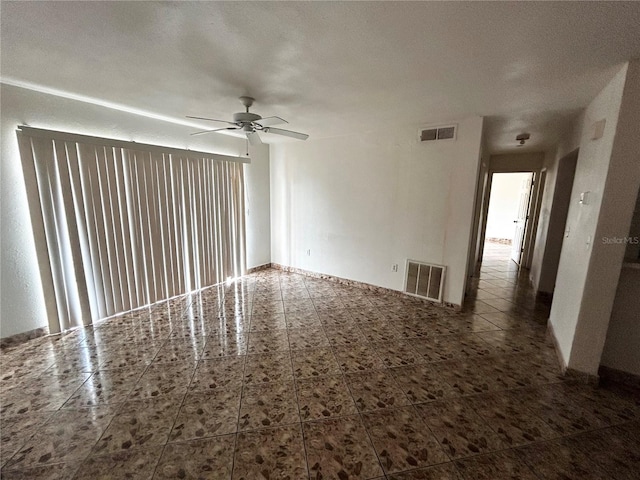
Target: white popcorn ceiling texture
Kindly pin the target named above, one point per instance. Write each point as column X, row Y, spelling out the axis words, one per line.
column 331, row 67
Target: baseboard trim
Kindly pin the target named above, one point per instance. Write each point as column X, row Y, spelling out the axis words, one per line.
column 568, row 372
column 544, row 296
column 361, row 285
column 266, row 266
column 608, row 374
column 20, row 338
column 582, row 377
column 552, row 335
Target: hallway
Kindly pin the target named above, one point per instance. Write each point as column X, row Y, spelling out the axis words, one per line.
column 280, row 375
column 504, row 287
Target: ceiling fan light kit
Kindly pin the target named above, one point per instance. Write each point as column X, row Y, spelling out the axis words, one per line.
column 251, row 124
column 522, row 138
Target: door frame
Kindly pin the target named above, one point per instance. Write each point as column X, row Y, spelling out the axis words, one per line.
column 519, row 238
column 534, row 216
column 539, row 178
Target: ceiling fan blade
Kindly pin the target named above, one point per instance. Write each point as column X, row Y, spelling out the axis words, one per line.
column 254, row 138
column 268, row 121
column 287, row 133
column 211, row 119
column 214, row 130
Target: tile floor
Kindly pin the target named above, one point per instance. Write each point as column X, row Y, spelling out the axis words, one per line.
column 289, row 377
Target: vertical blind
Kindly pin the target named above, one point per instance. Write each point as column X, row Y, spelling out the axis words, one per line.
column 121, row 225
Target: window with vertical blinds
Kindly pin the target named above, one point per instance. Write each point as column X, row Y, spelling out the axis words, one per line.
column 120, row 225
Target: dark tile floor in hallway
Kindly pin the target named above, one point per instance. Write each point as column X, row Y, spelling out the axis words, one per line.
column 281, row 376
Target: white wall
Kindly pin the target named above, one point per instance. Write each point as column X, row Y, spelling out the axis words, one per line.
column 607, row 168
column 258, row 215
column 632, row 250
column 553, row 215
column 517, row 162
column 21, row 304
column 503, row 204
column 570, row 142
column 622, row 346
column 363, row 202
column 551, row 167
column 480, row 209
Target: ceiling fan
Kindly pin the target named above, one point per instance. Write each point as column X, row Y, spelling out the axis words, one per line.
column 251, row 124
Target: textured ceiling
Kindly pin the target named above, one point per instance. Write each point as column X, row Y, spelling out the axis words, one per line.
column 330, row 68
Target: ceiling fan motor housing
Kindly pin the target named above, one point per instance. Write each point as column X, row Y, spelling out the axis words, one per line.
column 247, row 122
column 245, row 117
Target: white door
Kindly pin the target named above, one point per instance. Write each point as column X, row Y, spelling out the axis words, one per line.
column 521, row 221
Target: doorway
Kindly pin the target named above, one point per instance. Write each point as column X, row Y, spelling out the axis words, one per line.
column 546, row 280
column 508, row 215
column 521, row 204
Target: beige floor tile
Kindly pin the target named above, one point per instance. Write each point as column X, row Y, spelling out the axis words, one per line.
column 268, row 367
column 445, row 471
column 224, row 372
column 67, row 437
column 459, row 429
column 496, row 466
column 376, row 389
column 137, row 463
column 164, row 379
column 324, row 397
column 207, row 458
column 402, row 440
column 282, row 354
column 17, row 430
column 305, row 338
column 340, row 448
column 224, row 345
column 206, row 414
column 358, row 358
column 270, row 453
column 140, row 423
column 268, row 405
column 56, row 471
column 312, row 363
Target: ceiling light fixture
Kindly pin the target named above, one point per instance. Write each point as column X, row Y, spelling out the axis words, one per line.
column 523, row 137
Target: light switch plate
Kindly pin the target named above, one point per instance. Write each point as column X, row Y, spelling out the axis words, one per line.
column 598, row 129
column 584, row 198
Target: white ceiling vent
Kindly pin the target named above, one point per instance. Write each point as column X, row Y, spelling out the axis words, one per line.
column 445, row 132
column 424, row 280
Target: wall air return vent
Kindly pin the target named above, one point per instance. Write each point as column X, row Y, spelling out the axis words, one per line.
column 447, row 132
column 424, row 280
